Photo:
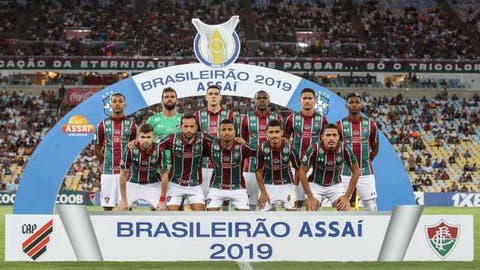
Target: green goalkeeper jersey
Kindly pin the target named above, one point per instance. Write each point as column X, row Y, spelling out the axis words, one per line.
column 163, row 126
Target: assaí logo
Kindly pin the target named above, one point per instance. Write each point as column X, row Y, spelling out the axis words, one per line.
column 78, row 125
column 216, row 45
column 442, row 237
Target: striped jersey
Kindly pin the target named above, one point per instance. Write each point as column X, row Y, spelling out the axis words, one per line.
column 144, row 165
column 113, row 135
column 360, row 135
column 275, row 163
column 209, row 122
column 185, row 159
column 228, row 164
column 306, row 130
column 253, row 129
column 327, row 165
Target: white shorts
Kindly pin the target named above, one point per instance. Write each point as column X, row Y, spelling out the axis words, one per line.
column 238, row 198
column 279, row 195
column 252, row 187
column 365, row 186
column 300, row 191
column 148, row 192
column 177, row 192
column 109, row 190
column 332, row 193
column 206, row 177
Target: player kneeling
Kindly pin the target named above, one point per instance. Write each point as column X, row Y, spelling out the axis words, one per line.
column 139, row 178
column 327, row 159
column 274, row 173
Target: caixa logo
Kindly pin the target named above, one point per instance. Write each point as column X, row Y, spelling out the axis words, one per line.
column 466, row 199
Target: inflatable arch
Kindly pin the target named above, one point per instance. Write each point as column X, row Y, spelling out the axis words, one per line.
column 53, row 157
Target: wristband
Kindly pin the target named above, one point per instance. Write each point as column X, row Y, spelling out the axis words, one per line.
column 162, row 198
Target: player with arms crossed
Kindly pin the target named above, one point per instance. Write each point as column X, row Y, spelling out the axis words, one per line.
column 253, row 129
column 111, row 138
column 185, row 173
column 327, row 158
column 274, row 172
column 227, row 155
column 139, row 175
column 306, row 128
column 360, row 133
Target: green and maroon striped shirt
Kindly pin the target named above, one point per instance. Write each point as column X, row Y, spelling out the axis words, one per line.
column 186, row 158
column 228, row 164
column 277, row 163
column 360, row 135
column 144, row 165
column 306, row 130
column 253, row 129
column 209, row 122
column 327, row 165
column 113, row 135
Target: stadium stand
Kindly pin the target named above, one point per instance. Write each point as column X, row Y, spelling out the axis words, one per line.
column 289, row 28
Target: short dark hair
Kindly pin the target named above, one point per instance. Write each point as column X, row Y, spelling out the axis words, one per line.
column 145, row 128
column 226, row 121
column 261, row 92
column 214, row 86
column 188, row 116
column 307, row 90
column 332, row 126
column 274, row 123
column 167, row 90
column 117, row 94
column 353, row 94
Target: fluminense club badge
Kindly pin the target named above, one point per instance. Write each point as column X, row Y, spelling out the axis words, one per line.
column 442, row 238
column 216, row 45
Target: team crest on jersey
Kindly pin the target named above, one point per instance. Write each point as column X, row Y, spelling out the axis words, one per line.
column 323, row 103
column 216, row 45
column 106, row 103
column 442, row 237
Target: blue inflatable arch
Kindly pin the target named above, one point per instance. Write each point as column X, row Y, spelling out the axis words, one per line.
column 44, row 173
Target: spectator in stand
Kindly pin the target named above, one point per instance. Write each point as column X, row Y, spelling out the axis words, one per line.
column 444, row 175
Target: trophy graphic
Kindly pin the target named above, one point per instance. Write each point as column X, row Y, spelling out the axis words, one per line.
column 216, row 45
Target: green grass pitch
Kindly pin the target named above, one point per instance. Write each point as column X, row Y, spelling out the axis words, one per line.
column 265, row 265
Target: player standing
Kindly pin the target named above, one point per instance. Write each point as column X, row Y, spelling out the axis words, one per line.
column 111, row 138
column 167, row 121
column 253, row 129
column 360, row 133
column 305, row 127
column 209, row 120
